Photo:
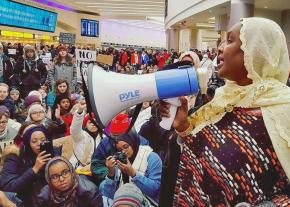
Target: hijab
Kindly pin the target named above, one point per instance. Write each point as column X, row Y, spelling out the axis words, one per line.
column 267, row 63
column 64, row 199
column 132, row 138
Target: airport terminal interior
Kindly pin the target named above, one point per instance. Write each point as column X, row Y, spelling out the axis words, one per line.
column 144, row 103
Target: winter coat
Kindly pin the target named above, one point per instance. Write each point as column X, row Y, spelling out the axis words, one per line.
column 161, row 61
column 144, row 59
column 124, row 59
column 31, row 76
column 17, row 176
column 50, row 99
column 64, row 71
column 9, row 73
column 19, row 110
column 67, row 119
column 87, row 195
column 134, row 61
column 84, row 145
column 105, row 149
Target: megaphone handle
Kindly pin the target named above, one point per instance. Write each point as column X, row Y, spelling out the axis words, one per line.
column 166, row 122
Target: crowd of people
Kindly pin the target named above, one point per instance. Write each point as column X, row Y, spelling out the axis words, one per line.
column 227, row 146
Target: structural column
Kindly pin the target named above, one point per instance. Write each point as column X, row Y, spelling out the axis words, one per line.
column 172, row 39
column 240, row 9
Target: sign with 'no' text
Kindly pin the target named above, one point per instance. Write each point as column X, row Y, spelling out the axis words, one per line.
column 86, row 55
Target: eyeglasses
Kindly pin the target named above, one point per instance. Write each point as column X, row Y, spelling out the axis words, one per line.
column 63, row 174
column 37, row 112
column 3, row 122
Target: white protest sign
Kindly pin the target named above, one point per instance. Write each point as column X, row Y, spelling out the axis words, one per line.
column 46, row 58
column 85, row 69
column 12, row 51
column 84, row 56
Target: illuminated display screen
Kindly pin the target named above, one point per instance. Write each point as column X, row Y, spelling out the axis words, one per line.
column 20, row 15
column 90, row 28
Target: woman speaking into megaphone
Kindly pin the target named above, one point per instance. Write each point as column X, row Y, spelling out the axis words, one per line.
column 236, row 147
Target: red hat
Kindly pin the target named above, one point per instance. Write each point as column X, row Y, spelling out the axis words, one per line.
column 87, row 118
column 61, row 47
column 119, row 124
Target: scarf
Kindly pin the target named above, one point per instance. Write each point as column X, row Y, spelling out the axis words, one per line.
column 267, row 63
column 63, row 199
column 4, row 133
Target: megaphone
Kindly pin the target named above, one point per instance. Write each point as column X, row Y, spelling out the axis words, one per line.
column 110, row 92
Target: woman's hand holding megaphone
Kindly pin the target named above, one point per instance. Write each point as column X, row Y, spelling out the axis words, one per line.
column 180, row 122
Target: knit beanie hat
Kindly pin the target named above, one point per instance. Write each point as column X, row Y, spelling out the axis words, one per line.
column 35, row 93
column 28, row 47
column 34, row 108
column 27, row 134
column 87, row 118
column 129, row 194
column 32, row 99
column 119, row 124
column 4, row 110
column 14, row 90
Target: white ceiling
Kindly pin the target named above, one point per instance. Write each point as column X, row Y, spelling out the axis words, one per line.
column 206, row 18
column 140, row 8
column 148, row 14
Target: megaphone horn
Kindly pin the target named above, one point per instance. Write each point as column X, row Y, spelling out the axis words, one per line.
column 111, row 93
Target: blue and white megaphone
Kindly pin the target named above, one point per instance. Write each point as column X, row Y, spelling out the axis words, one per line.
column 110, row 93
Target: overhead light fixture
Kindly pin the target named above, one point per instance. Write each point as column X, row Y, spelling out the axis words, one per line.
column 266, row 7
column 131, row 13
column 128, row 10
column 125, row 8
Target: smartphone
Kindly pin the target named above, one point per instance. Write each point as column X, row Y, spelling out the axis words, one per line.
column 47, row 147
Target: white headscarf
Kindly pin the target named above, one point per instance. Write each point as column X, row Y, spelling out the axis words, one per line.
column 267, row 62
column 194, row 57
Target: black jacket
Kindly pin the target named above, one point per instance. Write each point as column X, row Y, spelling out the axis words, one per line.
column 17, row 176
column 87, row 195
column 10, row 77
column 31, row 76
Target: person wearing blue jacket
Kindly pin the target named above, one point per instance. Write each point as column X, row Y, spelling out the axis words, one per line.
column 144, row 58
column 105, row 149
column 118, row 125
column 135, row 164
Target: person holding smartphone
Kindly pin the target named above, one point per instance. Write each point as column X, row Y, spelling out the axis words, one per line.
column 23, row 169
